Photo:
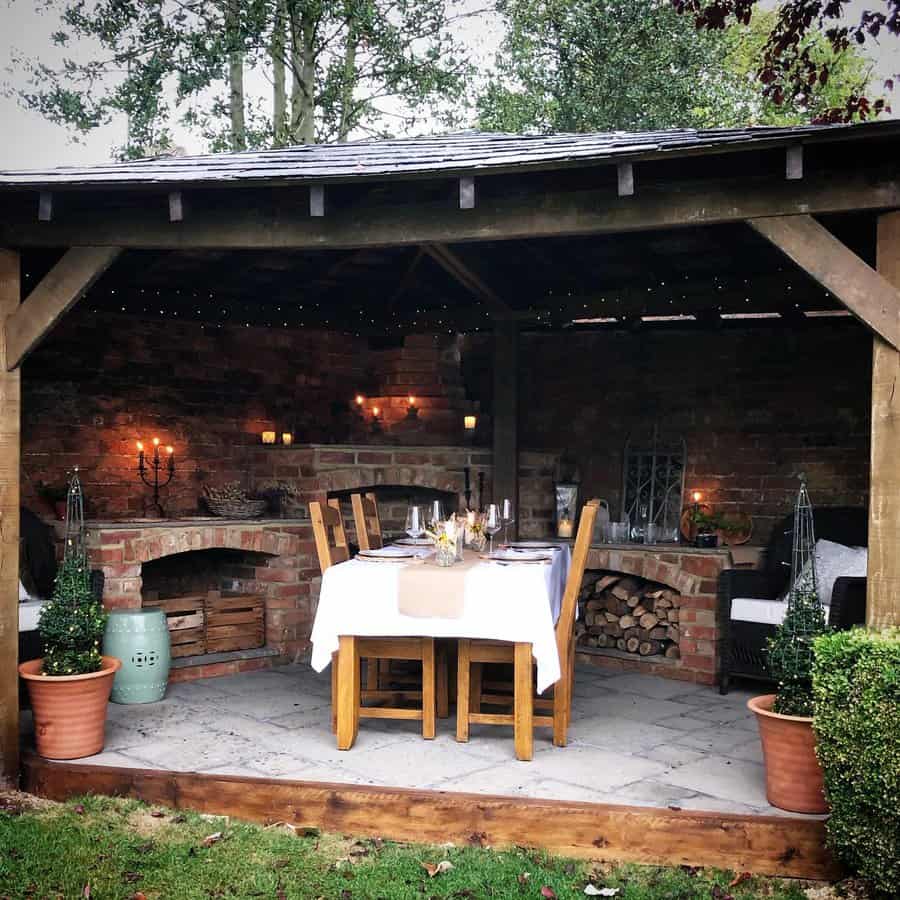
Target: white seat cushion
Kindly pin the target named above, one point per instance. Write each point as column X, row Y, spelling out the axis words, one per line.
column 28, row 614
column 765, row 612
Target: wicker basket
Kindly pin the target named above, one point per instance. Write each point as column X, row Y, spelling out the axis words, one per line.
column 236, row 509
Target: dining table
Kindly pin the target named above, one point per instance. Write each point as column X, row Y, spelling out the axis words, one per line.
column 511, row 595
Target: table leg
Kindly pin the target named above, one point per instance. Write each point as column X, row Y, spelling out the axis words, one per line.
column 524, row 703
column 348, row 692
column 334, row 691
column 428, row 688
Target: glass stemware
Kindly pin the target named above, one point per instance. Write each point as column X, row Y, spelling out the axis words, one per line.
column 493, row 519
column 508, row 515
column 437, row 514
column 415, row 522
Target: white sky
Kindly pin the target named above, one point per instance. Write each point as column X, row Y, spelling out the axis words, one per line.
column 27, row 140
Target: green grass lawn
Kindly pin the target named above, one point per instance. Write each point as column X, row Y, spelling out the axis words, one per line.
column 111, row 848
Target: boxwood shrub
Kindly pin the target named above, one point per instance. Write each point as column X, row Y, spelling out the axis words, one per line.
column 856, row 686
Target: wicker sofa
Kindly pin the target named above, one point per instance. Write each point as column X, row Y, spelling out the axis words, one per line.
column 742, row 642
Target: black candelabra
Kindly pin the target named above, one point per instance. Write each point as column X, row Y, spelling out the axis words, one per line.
column 149, row 471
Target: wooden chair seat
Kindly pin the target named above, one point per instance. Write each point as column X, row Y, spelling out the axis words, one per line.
column 473, row 654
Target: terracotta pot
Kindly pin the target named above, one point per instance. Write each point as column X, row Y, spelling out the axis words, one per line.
column 69, row 710
column 793, row 775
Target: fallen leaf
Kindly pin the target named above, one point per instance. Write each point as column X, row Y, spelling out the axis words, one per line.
column 593, row 891
column 138, row 895
column 739, row 879
column 548, row 892
column 87, row 891
column 211, row 839
column 78, row 809
column 436, row 868
column 157, row 814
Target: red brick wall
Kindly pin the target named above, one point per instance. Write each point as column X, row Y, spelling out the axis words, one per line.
column 756, row 406
column 99, row 383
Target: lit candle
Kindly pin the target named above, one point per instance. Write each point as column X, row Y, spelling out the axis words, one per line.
column 170, row 451
column 696, row 496
column 411, row 400
column 564, row 527
column 469, row 423
column 268, row 437
column 376, row 412
column 287, row 438
column 360, row 399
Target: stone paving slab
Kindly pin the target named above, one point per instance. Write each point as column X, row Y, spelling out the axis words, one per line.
column 634, row 739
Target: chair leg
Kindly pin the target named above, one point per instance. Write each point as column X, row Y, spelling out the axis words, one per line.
column 334, row 692
column 571, row 684
column 428, row 689
column 463, row 668
column 524, row 703
column 442, row 682
column 560, row 710
column 348, row 692
column 475, row 686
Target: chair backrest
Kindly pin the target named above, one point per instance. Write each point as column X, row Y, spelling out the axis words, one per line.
column 328, row 530
column 565, row 626
column 365, row 518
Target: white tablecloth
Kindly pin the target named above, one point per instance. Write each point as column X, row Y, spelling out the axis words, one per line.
column 517, row 603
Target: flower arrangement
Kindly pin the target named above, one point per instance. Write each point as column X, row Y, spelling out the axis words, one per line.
column 476, row 536
column 446, row 537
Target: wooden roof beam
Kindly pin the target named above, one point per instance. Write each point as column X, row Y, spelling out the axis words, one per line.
column 451, row 263
column 56, row 294
column 866, row 293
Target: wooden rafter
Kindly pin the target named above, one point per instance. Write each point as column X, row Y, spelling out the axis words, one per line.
column 865, row 292
column 471, row 281
column 57, row 292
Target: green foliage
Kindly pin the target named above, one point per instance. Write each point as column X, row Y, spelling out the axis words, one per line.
column 71, row 624
column 375, row 66
column 856, row 681
column 790, row 653
column 583, row 65
column 118, row 848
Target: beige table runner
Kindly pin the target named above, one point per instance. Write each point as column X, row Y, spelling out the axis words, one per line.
column 427, row 590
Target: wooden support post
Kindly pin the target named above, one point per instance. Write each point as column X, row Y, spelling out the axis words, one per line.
column 625, row 172
column 506, row 414
column 467, row 192
column 176, row 206
column 793, row 165
column 317, row 200
column 10, row 404
column 883, row 583
column 45, row 207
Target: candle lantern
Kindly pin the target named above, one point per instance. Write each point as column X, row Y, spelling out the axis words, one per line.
column 469, row 422
column 287, row 438
column 566, row 508
column 412, row 411
column 268, row 437
column 149, row 471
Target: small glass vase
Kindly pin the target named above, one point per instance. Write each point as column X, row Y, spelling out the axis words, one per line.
column 445, row 554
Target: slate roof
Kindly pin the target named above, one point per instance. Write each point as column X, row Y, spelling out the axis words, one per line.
column 460, row 153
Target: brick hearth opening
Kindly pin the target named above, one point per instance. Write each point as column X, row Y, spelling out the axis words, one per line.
column 680, row 583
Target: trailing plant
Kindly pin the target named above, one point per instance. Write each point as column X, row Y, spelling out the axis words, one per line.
column 856, row 684
column 71, row 624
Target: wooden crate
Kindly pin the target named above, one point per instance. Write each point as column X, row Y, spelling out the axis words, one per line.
column 234, row 622
column 186, row 618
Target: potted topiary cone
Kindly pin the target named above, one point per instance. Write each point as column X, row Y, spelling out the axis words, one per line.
column 69, row 687
column 794, row 779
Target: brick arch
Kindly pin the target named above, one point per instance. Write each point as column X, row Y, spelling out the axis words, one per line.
column 413, row 476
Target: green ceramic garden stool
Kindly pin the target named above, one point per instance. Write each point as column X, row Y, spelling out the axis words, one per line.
column 140, row 638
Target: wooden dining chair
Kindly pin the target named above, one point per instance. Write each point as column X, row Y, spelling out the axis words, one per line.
column 470, row 695
column 332, row 548
column 367, row 521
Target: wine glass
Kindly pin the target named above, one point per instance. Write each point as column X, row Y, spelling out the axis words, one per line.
column 437, row 514
column 508, row 515
column 415, row 522
column 493, row 519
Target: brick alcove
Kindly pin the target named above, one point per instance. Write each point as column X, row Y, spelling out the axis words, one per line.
column 278, row 562
column 694, row 575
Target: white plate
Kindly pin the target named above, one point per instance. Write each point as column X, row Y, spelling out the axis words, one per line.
column 413, row 542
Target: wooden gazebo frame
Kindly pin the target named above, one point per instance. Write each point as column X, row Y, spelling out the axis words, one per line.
column 436, row 192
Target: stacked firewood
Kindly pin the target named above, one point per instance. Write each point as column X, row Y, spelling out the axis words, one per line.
column 624, row 612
